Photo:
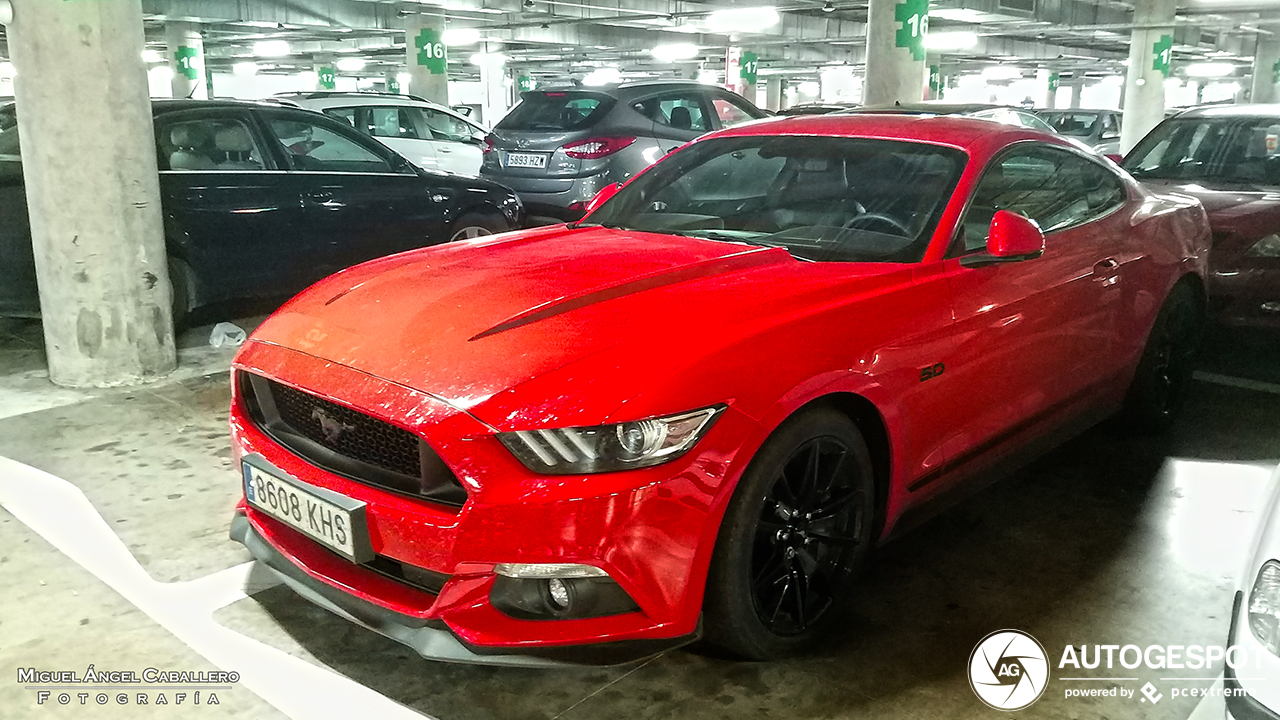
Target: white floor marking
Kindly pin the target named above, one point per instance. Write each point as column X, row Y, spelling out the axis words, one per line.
column 1236, row 382
column 1211, row 707
column 62, row 515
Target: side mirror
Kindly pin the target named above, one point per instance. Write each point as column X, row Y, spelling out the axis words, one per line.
column 1011, row 238
column 603, row 196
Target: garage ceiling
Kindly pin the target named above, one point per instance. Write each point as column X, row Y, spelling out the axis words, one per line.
column 559, row 40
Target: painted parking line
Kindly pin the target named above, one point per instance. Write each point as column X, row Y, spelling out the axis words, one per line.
column 1236, row 382
column 61, row 514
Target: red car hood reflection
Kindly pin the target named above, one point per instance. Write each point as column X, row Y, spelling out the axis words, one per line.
column 1225, row 203
column 467, row 321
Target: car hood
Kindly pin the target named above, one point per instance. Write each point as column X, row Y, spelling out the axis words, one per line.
column 1225, row 202
column 541, row 325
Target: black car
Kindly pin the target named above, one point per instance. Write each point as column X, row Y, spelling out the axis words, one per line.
column 260, row 200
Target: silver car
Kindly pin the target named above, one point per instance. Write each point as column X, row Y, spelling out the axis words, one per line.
column 1099, row 129
column 560, row 146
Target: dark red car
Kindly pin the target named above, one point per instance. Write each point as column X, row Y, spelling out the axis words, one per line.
column 696, row 411
column 1227, row 157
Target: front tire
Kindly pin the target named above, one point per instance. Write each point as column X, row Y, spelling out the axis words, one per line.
column 1163, row 378
column 796, row 531
column 474, row 225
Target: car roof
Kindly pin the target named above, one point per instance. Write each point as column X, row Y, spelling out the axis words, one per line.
column 1245, row 110
column 630, row 88
column 939, row 108
column 972, row 135
column 168, row 105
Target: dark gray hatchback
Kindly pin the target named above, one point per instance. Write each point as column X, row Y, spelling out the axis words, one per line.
column 559, row 146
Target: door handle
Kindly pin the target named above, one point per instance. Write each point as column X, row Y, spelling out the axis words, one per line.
column 440, row 148
column 1104, row 267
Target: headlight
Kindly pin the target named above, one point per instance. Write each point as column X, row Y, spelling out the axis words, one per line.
column 1264, row 606
column 1268, row 246
column 608, row 448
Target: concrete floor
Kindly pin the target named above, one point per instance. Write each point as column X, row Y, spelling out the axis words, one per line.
column 1106, row 540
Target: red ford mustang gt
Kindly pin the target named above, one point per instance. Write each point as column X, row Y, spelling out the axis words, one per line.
column 693, row 413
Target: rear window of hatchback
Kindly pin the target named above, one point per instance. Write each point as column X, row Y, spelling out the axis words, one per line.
column 557, row 111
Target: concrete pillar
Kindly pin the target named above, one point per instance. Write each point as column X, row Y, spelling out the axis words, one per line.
column 895, row 51
column 1044, row 89
column 1077, row 89
column 773, row 93
column 93, row 197
column 186, row 60
column 493, row 75
column 425, row 57
column 1265, row 61
column 1150, row 56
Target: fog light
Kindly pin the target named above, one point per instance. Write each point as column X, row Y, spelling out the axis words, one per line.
column 558, row 592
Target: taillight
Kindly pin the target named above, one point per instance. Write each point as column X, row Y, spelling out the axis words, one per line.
column 488, row 145
column 599, row 147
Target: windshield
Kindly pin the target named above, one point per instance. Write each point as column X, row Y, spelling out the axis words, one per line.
column 1072, row 123
column 556, row 111
column 833, row 199
column 1223, row 149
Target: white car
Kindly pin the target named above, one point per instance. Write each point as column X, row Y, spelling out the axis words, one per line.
column 432, row 136
column 1255, row 622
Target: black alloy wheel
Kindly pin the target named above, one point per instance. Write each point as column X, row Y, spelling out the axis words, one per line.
column 1163, row 378
column 796, row 531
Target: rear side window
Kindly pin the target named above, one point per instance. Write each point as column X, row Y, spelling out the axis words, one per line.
column 211, row 143
column 681, row 111
column 557, row 111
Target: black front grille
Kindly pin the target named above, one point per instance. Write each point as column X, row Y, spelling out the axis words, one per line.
column 348, row 442
column 347, row 432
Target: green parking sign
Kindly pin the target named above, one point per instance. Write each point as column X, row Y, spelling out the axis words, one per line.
column 431, row 53
column 327, row 78
column 185, row 58
column 1163, row 50
column 749, row 67
column 912, row 17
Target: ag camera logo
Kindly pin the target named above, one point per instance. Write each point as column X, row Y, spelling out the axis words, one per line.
column 1008, row 670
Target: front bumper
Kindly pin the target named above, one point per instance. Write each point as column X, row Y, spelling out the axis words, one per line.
column 1240, row 703
column 651, row 530
column 432, row 639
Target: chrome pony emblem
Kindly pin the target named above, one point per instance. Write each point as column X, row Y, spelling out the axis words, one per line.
column 333, row 429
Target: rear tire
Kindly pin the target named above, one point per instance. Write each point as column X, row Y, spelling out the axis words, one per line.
column 1163, row 378
column 794, row 536
column 180, row 281
column 474, row 225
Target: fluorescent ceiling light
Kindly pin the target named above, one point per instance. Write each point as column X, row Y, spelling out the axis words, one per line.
column 7, row 69
column 161, row 72
column 403, row 79
column 1208, row 70
column 810, row 87
column 152, row 56
column 674, row 52
column 461, row 36
column 603, row 76
column 1001, row 72
column 245, row 68
column 957, row 14
column 271, row 48
column 1113, row 80
column 742, row 19
column 497, row 59
column 960, row 40
column 353, row 64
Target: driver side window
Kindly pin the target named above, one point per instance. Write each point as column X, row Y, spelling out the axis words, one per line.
column 312, row 147
column 1055, row 188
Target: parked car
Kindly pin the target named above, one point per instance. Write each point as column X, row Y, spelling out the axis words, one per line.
column 559, row 146
column 1099, row 129
column 432, row 136
column 260, row 200
column 1228, row 157
column 699, row 408
column 1255, row 622
column 818, row 108
column 1006, row 114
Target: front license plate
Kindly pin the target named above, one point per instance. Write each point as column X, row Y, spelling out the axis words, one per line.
column 333, row 520
column 527, row 160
